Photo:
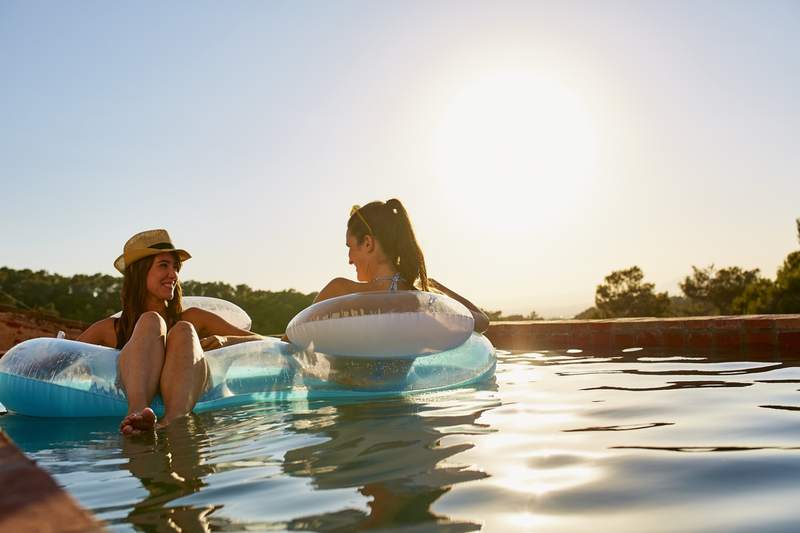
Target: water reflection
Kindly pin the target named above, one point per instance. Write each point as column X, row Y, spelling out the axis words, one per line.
column 704, row 449
column 781, row 407
column 672, row 385
column 629, row 427
column 394, row 454
column 169, row 465
column 563, row 443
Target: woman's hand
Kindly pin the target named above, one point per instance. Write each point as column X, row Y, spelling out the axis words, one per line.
column 213, row 342
column 481, row 320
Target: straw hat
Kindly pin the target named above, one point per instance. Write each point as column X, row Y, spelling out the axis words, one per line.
column 145, row 244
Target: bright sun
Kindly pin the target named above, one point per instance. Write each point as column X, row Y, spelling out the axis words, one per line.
column 519, row 143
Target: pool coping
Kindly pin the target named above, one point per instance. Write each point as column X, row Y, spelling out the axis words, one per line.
column 32, row 500
column 777, row 334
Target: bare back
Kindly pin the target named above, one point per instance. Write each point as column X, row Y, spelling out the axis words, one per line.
column 342, row 286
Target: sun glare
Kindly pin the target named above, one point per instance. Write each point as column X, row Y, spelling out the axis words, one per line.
column 519, row 143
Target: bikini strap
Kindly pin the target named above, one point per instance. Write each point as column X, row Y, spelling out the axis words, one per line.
column 395, row 279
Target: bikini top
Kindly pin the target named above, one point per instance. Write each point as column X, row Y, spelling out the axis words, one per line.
column 395, row 279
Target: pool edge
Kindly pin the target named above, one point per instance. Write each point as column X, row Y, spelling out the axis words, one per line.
column 31, row 500
column 779, row 334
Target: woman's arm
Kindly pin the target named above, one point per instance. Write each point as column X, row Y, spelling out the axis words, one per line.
column 216, row 332
column 101, row 333
column 481, row 320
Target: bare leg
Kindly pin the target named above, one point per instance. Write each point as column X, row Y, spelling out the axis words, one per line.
column 140, row 364
column 185, row 373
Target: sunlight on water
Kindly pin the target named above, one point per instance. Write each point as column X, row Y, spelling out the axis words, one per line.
column 639, row 440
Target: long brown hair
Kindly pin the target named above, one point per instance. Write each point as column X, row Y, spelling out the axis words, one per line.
column 389, row 224
column 134, row 297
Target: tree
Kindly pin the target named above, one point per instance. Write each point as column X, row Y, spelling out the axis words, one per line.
column 756, row 299
column 624, row 294
column 88, row 298
column 493, row 315
column 786, row 292
column 588, row 314
column 498, row 316
column 781, row 296
column 532, row 316
column 715, row 290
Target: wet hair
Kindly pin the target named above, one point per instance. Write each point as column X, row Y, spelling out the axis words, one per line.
column 389, row 224
column 134, row 296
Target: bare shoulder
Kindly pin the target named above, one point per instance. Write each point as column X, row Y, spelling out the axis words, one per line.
column 339, row 287
column 101, row 332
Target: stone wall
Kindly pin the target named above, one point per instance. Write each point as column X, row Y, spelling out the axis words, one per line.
column 765, row 333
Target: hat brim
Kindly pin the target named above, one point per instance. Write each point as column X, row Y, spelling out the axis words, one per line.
column 135, row 255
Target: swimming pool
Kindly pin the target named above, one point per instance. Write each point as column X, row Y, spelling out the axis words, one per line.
column 640, row 440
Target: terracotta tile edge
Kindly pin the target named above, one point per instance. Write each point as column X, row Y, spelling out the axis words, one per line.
column 31, row 500
column 764, row 332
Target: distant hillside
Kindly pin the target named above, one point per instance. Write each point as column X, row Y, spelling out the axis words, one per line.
column 87, row 298
column 17, row 325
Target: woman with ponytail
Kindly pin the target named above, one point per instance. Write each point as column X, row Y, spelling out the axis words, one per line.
column 161, row 343
column 383, row 248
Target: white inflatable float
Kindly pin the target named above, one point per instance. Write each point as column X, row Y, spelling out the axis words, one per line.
column 382, row 324
column 229, row 311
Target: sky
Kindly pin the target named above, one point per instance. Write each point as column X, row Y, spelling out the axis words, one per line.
column 537, row 146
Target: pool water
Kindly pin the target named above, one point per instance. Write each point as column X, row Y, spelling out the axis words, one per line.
column 559, row 441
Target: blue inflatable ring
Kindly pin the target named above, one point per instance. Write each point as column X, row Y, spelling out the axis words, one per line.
column 49, row 377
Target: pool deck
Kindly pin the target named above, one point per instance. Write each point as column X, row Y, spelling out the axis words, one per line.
column 765, row 334
column 32, row 501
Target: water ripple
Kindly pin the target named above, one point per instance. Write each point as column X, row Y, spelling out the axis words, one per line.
column 556, row 442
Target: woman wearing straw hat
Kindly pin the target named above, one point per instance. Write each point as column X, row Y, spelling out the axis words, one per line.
column 161, row 343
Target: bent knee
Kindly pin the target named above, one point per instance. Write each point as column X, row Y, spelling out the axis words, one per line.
column 182, row 329
column 152, row 322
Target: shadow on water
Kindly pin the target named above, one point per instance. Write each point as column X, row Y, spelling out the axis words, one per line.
column 36, row 434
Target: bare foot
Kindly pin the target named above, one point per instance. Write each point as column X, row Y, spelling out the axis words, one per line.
column 138, row 423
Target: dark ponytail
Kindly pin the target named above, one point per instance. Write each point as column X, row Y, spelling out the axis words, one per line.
column 389, row 224
column 410, row 261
